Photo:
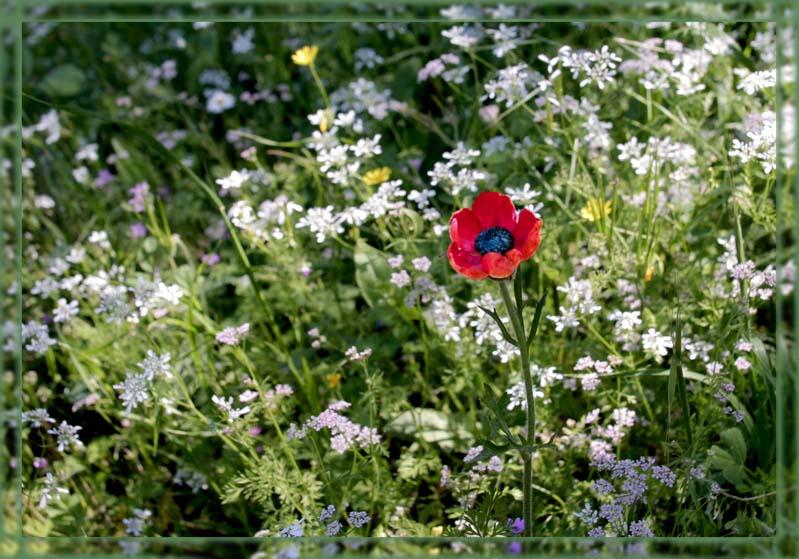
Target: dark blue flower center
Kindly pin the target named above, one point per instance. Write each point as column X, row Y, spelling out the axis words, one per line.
column 495, row 239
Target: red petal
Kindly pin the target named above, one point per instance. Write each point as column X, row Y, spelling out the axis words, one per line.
column 495, row 210
column 527, row 233
column 497, row 265
column 467, row 263
column 514, row 256
column 464, row 228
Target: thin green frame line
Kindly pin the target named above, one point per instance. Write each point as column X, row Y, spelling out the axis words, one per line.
column 18, row 193
column 428, row 3
column 779, row 436
column 685, row 540
column 795, row 24
column 780, row 357
column 779, row 463
column 20, row 19
column 398, row 18
column 348, row 18
column 445, row 554
column 4, row 28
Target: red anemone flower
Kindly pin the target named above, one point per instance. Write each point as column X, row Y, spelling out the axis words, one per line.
column 489, row 240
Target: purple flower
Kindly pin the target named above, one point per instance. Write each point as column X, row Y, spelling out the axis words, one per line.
column 138, row 230
column 40, row 463
column 139, row 193
column 612, row 512
column 597, row 532
column 210, row 259
column 333, row 528
column 359, row 518
column 516, row 525
column 103, row 178
column 602, row 486
column 344, row 432
column 664, row 475
column 327, row 513
column 640, row 528
column 232, row 334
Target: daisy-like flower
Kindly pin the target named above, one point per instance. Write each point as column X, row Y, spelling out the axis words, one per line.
column 51, row 491
column 233, row 181
column 490, row 239
column 64, row 311
column 226, row 405
column 134, row 390
column 376, row 176
column 305, row 56
column 656, row 343
column 220, row 101
column 595, row 209
column 67, row 436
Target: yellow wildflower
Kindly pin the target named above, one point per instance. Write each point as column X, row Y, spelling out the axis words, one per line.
column 304, row 56
column 377, row 176
column 594, row 210
column 325, row 120
column 333, row 379
column 650, row 271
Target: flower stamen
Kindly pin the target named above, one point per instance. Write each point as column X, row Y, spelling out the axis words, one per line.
column 494, row 239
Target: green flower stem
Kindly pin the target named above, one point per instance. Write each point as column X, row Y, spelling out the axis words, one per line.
column 517, row 321
column 319, row 84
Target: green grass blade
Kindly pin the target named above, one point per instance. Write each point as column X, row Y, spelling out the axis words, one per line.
column 539, row 308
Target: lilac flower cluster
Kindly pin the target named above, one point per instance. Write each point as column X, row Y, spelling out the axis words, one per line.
column 344, row 433
column 139, row 194
column 591, row 370
column 332, row 526
column 619, row 503
column 232, row 335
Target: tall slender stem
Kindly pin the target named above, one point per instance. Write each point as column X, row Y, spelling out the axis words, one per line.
column 517, row 321
column 319, row 84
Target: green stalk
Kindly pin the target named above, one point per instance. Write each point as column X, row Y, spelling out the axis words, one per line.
column 517, row 321
column 319, row 84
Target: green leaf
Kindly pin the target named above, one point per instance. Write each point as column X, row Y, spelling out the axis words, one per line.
column 430, row 425
column 517, row 290
column 491, row 449
column 763, row 366
column 413, row 465
column 372, row 272
column 735, row 443
column 497, row 422
column 677, row 381
column 505, row 334
column 718, row 458
column 70, row 466
column 733, row 473
column 534, row 326
column 99, row 449
column 66, row 80
column 670, row 391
